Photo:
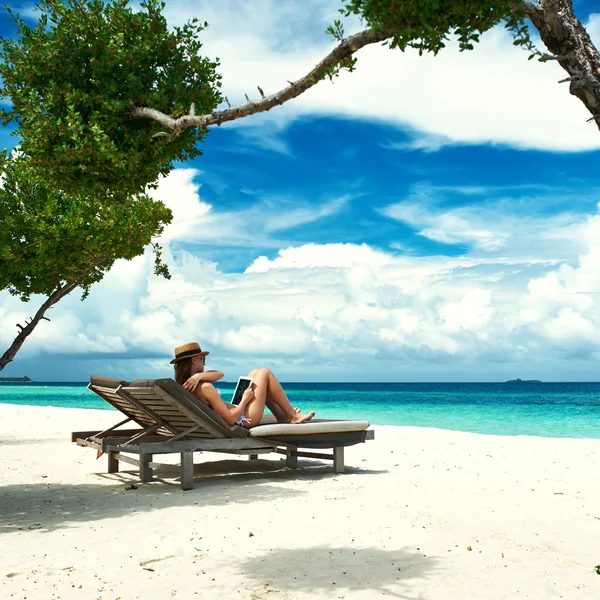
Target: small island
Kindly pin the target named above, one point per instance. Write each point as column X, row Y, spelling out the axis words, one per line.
column 523, row 381
column 15, row 379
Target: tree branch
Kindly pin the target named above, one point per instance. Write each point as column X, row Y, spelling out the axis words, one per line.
column 60, row 292
column 560, row 30
column 530, row 8
column 344, row 50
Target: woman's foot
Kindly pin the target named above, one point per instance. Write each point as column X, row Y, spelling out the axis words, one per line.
column 300, row 418
column 281, row 418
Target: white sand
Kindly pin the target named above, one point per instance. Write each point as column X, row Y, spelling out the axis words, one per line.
column 399, row 523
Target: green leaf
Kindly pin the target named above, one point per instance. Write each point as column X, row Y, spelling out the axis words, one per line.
column 50, row 237
column 72, row 79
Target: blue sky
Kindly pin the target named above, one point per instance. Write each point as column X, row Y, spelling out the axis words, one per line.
column 423, row 219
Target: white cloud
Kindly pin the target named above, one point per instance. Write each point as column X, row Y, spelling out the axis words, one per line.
column 569, row 325
column 198, row 222
column 315, row 310
column 454, row 226
column 180, row 193
column 294, row 217
column 593, row 28
column 312, row 255
column 472, row 312
column 424, row 142
column 497, row 224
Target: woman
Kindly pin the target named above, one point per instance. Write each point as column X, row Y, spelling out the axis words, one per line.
column 189, row 364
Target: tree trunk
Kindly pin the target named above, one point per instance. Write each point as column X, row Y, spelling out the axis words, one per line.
column 566, row 38
column 24, row 332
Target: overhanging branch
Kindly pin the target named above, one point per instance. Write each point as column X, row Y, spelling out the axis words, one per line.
column 24, row 331
column 560, row 30
column 343, row 51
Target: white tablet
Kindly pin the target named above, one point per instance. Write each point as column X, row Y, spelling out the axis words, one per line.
column 242, row 385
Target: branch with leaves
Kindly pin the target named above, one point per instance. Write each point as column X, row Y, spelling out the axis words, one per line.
column 25, row 331
column 424, row 27
column 52, row 242
column 335, row 59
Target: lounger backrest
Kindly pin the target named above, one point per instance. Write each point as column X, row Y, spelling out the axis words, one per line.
column 180, row 409
column 108, row 388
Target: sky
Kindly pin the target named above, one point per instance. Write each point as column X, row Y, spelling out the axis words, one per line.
column 421, row 219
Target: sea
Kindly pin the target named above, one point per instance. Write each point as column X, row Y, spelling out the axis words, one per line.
column 565, row 410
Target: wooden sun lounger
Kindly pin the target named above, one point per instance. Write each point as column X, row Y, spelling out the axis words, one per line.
column 171, row 420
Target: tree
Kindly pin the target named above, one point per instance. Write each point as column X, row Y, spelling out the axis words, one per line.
column 73, row 78
column 52, row 242
column 92, row 103
column 94, row 86
column 74, row 201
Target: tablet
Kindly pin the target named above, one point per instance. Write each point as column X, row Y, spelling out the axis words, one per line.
column 242, row 385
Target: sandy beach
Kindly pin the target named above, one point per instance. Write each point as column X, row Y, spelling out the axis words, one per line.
column 421, row 514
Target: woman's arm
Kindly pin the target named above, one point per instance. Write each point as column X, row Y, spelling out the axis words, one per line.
column 228, row 413
column 204, row 377
column 211, row 376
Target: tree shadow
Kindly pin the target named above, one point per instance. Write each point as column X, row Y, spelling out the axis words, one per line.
column 50, row 506
column 53, row 506
column 372, row 570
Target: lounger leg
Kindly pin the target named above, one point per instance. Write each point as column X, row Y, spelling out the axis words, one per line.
column 145, row 469
column 338, row 460
column 291, row 459
column 187, row 470
column 113, row 463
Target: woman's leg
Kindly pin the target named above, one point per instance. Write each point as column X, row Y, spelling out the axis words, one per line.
column 277, row 412
column 266, row 386
column 270, row 404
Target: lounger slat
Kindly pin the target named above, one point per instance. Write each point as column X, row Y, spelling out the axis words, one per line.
column 147, row 397
column 196, row 411
column 129, row 407
column 180, row 423
column 123, row 406
column 164, row 411
column 182, row 426
column 173, row 412
column 138, row 413
column 167, row 413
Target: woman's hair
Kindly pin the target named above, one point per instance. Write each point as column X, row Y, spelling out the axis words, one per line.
column 183, row 370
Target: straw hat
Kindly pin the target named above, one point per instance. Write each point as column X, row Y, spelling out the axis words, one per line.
column 186, row 351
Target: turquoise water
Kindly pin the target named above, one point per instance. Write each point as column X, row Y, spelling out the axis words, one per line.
column 540, row 409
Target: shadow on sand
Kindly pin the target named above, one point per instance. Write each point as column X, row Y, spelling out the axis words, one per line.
column 50, row 506
column 373, row 571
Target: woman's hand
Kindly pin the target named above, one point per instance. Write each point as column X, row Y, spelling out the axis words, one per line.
column 192, row 383
column 247, row 396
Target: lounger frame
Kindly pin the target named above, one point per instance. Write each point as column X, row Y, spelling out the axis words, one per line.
column 187, row 431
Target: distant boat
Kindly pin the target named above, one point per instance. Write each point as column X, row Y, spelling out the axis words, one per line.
column 15, row 379
column 523, row 381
